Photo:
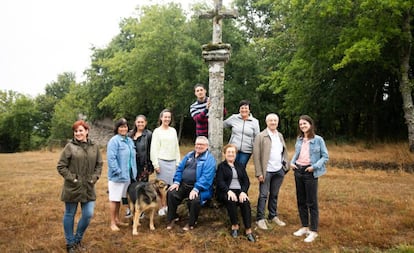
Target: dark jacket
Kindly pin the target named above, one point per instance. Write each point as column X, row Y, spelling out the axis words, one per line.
column 142, row 147
column 224, row 176
column 80, row 165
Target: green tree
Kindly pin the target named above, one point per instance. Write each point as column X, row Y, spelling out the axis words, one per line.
column 69, row 109
column 17, row 121
column 312, row 70
column 45, row 103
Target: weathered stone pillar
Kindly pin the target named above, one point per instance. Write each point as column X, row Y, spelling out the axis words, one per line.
column 216, row 55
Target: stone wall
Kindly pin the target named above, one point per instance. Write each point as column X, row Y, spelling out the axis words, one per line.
column 101, row 131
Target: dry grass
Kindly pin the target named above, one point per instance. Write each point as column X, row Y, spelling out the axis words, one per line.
column 361, row 210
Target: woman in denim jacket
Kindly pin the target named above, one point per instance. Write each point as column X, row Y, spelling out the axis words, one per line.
column 308, row 163
column 122, row 169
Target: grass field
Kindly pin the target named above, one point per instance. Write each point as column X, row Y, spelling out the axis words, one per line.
column 362, row 209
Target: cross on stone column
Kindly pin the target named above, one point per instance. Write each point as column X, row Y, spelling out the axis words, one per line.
column 216, row 54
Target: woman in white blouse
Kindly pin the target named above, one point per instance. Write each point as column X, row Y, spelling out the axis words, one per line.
column 165, row 152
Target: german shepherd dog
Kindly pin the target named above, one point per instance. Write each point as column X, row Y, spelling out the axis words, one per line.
column 143, row 197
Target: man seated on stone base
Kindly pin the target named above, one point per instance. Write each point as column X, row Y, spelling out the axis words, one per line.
column 193, row 181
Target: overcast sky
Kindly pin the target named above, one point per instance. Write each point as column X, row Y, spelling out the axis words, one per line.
column 41, row 39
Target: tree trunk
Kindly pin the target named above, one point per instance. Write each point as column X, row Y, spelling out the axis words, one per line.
column 180, row 130
column 405, row 84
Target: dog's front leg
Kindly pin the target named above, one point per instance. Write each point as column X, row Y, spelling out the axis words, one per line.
column 136, row 223
column 152, row 227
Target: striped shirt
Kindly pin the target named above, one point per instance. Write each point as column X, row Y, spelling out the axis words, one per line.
column 199, row 113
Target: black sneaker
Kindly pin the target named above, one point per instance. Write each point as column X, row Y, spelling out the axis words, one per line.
column 80, row 246
column 71, row 248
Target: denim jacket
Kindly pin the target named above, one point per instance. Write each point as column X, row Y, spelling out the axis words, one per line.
column 318, row 154
column 121, row 158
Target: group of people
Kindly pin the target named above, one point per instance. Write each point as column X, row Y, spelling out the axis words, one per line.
column 134, row 155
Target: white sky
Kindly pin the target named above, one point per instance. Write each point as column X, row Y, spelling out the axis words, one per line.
column 41, row 39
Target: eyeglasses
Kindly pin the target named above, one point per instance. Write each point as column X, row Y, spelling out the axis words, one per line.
column 201, row 144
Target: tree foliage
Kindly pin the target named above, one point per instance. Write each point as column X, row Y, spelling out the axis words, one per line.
column 346, row 63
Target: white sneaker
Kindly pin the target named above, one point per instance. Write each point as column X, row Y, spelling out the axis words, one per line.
column 278, row 221
column 311, row 236
column 162, row 211
column 301, row 231
column 262, row 224
column 128, row 214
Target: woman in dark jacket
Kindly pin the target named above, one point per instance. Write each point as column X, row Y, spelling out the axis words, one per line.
column 232, row 187
column 80, row 165
column 142, row 140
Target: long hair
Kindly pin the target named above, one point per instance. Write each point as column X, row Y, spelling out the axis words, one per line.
column 135, row 129
column 162, row 113
column 312, row 126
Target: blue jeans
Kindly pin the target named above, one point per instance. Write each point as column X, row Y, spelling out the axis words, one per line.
column 69, row 220
column 243, row 158
column 270, row 187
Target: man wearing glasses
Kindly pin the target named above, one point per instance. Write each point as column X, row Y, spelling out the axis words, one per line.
column 193, row 181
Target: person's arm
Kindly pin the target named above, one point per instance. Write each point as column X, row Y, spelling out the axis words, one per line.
column 177, row 149
column 155, row 146
column 98, row 166
column 243, row 178
column 220, row 181
column 256, row 129
column 257, row 157
column 324, row 156
column 228, row 122
column 112, row 157
column 295, row 156
column 205, row 181
column 63, row 164
column 201, row 115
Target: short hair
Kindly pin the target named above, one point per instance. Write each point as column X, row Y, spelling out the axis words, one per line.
column 80, row 123
column 244, row 102
column 202, row 138
column 229, row 146
column 272, row 114
column 120, row 122
column 199, row 85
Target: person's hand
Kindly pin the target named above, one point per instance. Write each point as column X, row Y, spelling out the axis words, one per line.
column 193, row 195
column 260, row 178
column 243, row 197
column 231, row 196
column 208, row 103
column 174, row 187
column 309, row 169
column 157, row 170
column 293, row 166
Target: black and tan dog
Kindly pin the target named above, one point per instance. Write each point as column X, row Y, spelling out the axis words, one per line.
column 144, row 197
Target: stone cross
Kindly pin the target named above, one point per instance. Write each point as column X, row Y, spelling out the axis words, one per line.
column 216, row 54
